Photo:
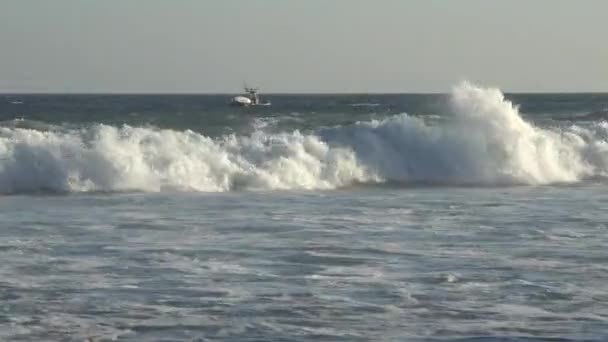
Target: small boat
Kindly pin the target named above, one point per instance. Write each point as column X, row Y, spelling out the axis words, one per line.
column 251, row 99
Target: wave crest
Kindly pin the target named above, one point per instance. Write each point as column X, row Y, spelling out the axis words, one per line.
column 106, row 158
column 483, row 141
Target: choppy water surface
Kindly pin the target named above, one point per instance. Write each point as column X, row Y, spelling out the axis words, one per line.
column 333, row 218
column 364, row 264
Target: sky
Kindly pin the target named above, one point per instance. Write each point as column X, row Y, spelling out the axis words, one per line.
column 310, row 46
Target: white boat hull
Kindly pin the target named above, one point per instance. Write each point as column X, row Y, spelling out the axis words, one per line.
column 241, row 101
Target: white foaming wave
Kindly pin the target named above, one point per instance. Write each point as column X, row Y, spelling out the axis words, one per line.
column 485, row 141
column 106, row 158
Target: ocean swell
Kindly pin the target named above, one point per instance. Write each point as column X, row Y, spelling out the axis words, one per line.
column 484, row 141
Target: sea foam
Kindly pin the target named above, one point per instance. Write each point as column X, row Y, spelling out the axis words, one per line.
column 484, row 141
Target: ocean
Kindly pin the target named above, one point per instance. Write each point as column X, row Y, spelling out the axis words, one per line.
column 467, row 216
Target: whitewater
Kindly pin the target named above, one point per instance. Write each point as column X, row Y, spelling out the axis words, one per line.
column 484, row 141
column 474, row 215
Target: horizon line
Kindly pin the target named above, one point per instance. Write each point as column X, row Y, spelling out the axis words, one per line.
column 295, row 93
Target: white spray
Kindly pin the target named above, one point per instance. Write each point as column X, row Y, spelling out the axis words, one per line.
column 484, row 141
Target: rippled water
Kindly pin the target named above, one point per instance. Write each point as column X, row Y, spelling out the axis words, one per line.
column 359, row 264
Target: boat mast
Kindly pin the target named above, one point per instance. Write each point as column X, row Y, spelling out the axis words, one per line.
column 253, row 94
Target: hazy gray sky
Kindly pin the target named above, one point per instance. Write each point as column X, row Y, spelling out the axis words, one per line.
column 302, row 45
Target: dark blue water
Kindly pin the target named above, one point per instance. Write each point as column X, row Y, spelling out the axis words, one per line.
column 211, row 114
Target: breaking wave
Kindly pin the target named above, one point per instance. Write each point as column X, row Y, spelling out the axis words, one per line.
column 484, row 142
